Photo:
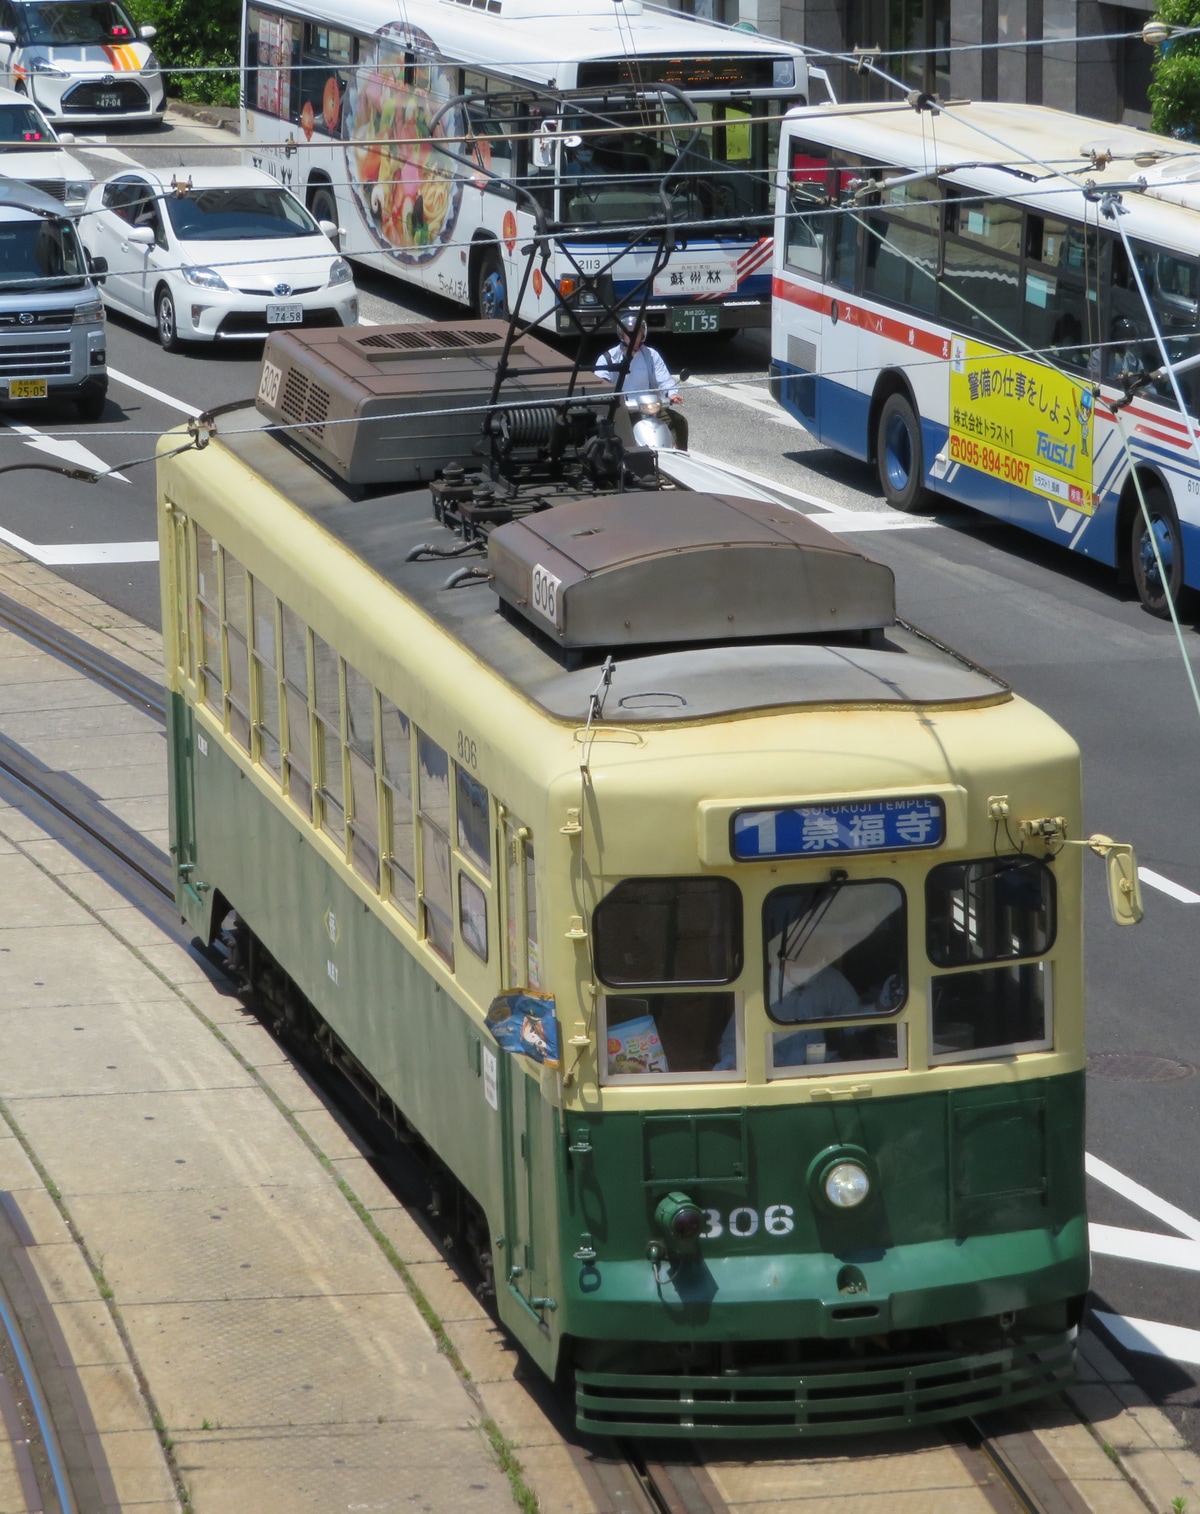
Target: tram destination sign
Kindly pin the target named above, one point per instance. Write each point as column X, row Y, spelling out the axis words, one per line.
column 850, row 825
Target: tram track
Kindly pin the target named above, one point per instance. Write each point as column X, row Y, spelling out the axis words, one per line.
column 1008, row 1463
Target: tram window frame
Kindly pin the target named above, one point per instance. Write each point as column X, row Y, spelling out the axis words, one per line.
column 653, row 1005
column 235, row 626
column 435, row 857
column 265, row 695
column 842, row 1037
column 209, row 674
column 362, row 819
column 522, row 953
column 971, row 911
column 975, row 978
column 473, row 914
column 296, row 656
column 399, row 811
column 327, row 705
column 723, row 971
column 473, row 822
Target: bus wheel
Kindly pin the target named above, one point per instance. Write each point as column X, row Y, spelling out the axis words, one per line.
column 1163, row 532
column 322, row 203
column 491, row 295
column 899, row 454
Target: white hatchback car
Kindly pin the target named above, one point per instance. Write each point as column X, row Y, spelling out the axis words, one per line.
column 210, row 254
column 80, row 60
column 30, row 152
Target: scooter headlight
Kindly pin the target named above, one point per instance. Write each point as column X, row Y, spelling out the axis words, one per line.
column 649, row 404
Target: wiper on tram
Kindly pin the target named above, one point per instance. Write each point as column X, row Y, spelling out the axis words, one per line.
column 800, row 932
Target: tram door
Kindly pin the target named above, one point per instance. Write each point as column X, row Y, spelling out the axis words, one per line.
column 183, row 799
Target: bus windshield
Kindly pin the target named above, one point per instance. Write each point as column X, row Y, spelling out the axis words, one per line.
column 39, row 253
column 726, row 173
column 74, row 23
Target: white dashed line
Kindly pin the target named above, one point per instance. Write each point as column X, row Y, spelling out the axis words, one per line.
column 1149, row 1338
column 155, row 394
column 1165, row 886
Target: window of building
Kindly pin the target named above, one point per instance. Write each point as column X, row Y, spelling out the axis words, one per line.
column 401, row 870
column 327, row 706
column 269, row 747
column 433, row 802
column 208, row 607
column 298, row 757
column 669, row 930
column 364, row 800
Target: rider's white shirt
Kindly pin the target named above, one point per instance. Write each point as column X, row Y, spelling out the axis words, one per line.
column 646, row 371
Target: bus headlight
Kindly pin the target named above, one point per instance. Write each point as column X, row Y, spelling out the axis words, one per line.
column 846, row 1185
column 679, row 1219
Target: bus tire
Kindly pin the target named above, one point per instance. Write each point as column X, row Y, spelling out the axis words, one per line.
column 1148, row 580
column 899, row 454
column 491, row 290
column 322, row 202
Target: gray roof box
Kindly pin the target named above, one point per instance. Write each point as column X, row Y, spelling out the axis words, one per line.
column 673, row 566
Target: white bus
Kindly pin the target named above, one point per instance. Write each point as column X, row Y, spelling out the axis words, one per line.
column 343, row 101
column 968, row 298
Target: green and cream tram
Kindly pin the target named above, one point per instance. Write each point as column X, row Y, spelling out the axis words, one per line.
column 733, row 984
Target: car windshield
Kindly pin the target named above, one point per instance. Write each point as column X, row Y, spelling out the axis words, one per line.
column 21, row 124
column 35, row 254
column 247, row 214
column 74, row 23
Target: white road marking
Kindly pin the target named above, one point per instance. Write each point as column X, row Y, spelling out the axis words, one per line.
column 155, row 394
column 66, row 448
column 1165, row 886
column 1152, row 1339
column 746, row 394
column 111, row 154
column 82, row 554
column 870, row 520
column 1145, row 1246
column 889, row 520
column 1142, row 1197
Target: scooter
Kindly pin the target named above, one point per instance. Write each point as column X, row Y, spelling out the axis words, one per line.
column 648, row 411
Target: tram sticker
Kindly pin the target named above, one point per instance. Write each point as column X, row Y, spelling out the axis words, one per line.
column 526, row 1025
column 491, row 1091
column 851, row 825
column 1022, row 422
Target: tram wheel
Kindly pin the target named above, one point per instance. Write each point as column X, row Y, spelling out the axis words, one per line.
column 900, row 456
column 1152, row 584
column 491, row 291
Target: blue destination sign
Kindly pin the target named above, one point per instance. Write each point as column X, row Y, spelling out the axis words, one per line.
column 853, row 825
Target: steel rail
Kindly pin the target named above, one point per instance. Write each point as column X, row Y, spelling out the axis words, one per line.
column 41, row 1414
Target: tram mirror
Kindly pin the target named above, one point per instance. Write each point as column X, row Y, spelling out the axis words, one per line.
column 1124, row 887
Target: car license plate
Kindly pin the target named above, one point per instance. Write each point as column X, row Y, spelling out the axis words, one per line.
column 284, row 315
column 693, row 318
column 109, row 102
column 27, row 389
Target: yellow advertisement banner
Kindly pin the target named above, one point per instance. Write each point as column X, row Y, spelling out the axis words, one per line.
column 1019, row 421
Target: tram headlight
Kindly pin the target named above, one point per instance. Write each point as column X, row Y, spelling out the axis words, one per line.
column 679, row 1218
column 846, row 1185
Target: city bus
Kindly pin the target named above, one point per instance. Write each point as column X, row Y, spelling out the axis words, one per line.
column 430, row 132
column 988, row 302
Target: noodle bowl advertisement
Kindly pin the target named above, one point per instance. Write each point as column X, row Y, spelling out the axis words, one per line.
column 408, row 191
column 1022, row 422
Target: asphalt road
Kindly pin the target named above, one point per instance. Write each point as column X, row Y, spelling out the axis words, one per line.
column 1065, row 633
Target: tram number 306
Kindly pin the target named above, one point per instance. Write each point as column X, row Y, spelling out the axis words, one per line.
column 777, row 1219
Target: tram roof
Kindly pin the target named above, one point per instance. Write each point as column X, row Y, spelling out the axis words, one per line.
column 684, row 682
column 1018, row 150
column 544, row 40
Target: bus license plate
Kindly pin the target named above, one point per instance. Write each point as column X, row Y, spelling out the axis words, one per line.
column 27, row 389
column 687, row 319
column 284, row 315
column 109, row 102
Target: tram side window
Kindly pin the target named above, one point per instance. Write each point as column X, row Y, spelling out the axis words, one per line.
column 474, row 820
column 987, row 910
column 297, row 761
column 902, row 239
column 360, row 751
column 396, row 735
column 266, row 678
column 835, row 951
column 671, row 1037
column 991, row 1011
column 208, row 606
column 982, row 278
column 433, row 803
column 237, row 650
column 327, row 706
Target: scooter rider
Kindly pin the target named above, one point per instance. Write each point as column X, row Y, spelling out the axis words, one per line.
column 647, row 371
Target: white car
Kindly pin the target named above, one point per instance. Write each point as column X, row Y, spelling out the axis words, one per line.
column 80, row 60
column 210, row 254
column 30, row 152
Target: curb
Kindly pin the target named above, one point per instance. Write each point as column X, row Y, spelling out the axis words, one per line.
column 224, row 116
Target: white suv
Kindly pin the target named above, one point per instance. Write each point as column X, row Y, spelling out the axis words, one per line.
column 80, row 60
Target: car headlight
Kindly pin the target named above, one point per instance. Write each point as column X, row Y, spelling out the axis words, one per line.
column 340, row 271
column 78, row 191
column 151, row 65
column 44, row 66
column 86, row 315
column 204, row 278
column 846, row 1185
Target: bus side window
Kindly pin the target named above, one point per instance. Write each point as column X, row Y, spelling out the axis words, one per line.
column 903, row 234
column 808, row 216
column 1129, row 346
column 1057, row 315
column 493, row 147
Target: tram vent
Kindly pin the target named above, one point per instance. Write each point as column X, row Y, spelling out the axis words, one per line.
column 397, row 404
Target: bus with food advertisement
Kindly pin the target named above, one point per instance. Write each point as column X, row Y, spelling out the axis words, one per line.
column 438, row 135
column 999, row 304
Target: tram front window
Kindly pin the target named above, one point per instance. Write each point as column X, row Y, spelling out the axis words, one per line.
column 835, row 951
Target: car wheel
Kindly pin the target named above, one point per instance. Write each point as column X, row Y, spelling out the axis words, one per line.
column 491, row 291
column 164, row 312
column 1153, row 584
column 322, row 203
column 91, row 403
column 899, row 455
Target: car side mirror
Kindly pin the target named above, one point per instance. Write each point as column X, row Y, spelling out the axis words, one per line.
column 147, row 33
column 8, row 38
column 141, row 236
column 331, row 229
column 97, row 267
column 67, row 138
